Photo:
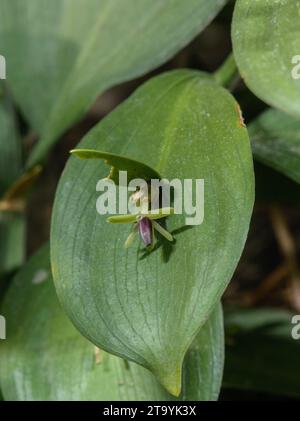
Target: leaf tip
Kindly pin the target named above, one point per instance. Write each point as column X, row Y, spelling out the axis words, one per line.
column 171, row 379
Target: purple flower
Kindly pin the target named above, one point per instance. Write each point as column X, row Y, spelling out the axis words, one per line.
column 145, row 229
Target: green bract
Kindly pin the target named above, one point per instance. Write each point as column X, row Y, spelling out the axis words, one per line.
column 149, row 308
column 118, row 163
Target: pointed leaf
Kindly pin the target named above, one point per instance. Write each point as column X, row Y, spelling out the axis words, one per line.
column 266, row 39
column 149, row 308
column 70, row 51
column 45, row 358
column 275, row 139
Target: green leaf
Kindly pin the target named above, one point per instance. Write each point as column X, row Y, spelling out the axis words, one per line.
column 148, row 307
column 275, row 139
column 71, row 51
column 45, row 358
column 266, row 37
column 12, row 224
column 261, row 354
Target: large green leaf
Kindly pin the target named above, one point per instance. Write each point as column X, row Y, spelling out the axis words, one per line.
column 149, row 307
column 275, row 139
column 266, row 38
column 261, row 354
column 12, row 224
column 72, row 50
column 45, row 358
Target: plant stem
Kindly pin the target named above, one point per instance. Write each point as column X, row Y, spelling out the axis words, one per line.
column 227, row 73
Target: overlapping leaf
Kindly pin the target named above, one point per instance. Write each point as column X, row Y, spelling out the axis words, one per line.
column 149, row 307
column 45, row 358
column 72, row 50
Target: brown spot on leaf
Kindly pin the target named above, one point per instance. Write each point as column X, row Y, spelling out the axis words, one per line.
column 241, row 121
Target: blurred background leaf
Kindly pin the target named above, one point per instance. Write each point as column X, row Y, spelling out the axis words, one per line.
column 45, row 358
column 275, row 140
column 72, row 50
column 10, row 143
column 266, row 36
column 12, row 224
column 261, row 354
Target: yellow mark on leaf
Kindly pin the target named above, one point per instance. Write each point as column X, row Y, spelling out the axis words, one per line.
column 98, row 355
